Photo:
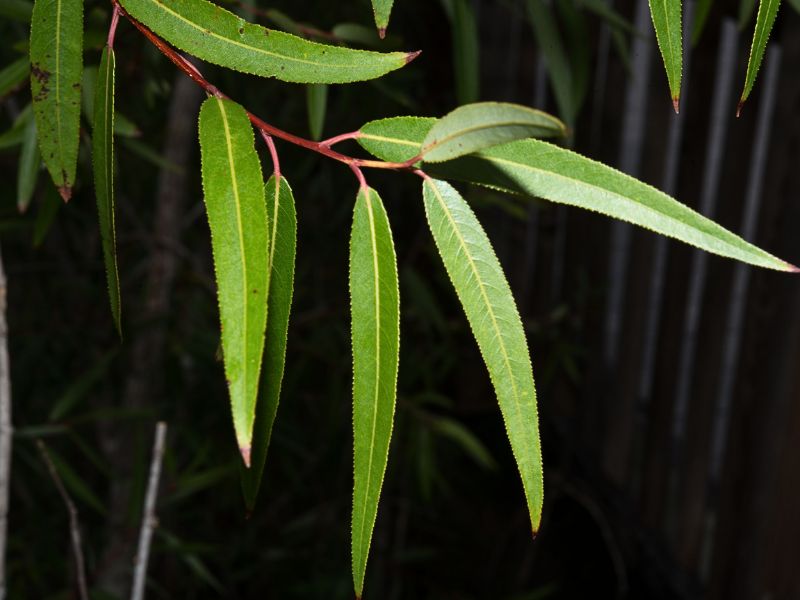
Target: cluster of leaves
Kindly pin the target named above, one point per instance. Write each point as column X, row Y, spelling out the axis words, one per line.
column 253, row 224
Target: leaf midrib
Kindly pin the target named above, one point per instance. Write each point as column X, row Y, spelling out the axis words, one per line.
column 467, row 130
column 58, row 82
column 761, row 27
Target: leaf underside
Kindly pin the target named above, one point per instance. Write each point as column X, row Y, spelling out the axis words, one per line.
column 283, row 241
column 103, row 169
column 375, row 314
column 484, row 293
column 220, row 37
column 538, row 169
column 237, row 215
column 666, row 16
column 56, row 53
column 765, row 19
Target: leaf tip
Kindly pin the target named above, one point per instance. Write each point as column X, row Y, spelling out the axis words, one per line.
column 791, row 268
column 739, row 107
column 245, row 450
column 411, row 55
column 676, row 104
column 382, row 32
column 65, row 191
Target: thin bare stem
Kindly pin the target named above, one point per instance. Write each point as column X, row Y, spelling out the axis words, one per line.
column 352, row 135
column 149, row 519
column 318, row 147
column 273, row 152
column 112, row 29
column 6, row 430
column 362, row 181
column 74, row 525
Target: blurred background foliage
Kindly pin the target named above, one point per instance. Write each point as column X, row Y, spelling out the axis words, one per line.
column 452, row 522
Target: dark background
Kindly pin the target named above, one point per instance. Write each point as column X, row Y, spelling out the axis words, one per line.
column 633, row 507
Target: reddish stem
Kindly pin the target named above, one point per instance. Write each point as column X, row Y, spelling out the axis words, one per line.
column 112, row 29
column 353, row 135
column 362, row 181
column 273, row 152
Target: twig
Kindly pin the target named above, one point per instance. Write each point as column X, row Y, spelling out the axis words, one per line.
column 6, row 429
column 149, row 519
column 74, row 526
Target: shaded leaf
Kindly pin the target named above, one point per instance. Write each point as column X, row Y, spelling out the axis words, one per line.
column 16, row 10
column 283, row 241
column 317, row 106
column 466, row 50
column 701, row 17
column 474, row 127
column 746, row 10
column 45, row 215
column 56, row 52
column 237, row 215
column 28, row 167
column 13, row 75
column 16, row 133
column 382, row 10
column 669, row 33
column 220, row 37
column 103, row 170
column 375, row 314
column 489, row 305
column 464, row 439
column 765, row 19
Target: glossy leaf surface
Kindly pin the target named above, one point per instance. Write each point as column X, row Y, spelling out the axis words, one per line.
column 539, row 169
column 669, row 33
column 765, row 19
column 222, row 38
column 489, row 305
column 56, row 52
column 237, row 215
column 103, row 169
column 375, row 314
column 283, row 241
column 474, row 127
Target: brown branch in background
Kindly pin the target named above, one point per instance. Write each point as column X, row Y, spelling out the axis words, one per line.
column 6, row 429
column 74, row 526
column 149, row 519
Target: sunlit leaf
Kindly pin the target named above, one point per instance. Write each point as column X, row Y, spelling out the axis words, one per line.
column 382, row 10
column 539, row 169
column 396, row 139
column 222, row 38
column 56, row 52
column 237, row 215
column 375, row 314
column 28, row 167
column 103, row 169
column 669, row 33
column 767, row 11
column 484, row 293
column 283, row 224
column 477, row 126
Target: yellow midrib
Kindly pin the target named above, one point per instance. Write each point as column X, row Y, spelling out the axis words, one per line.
column 58, row 80
column 467, row 130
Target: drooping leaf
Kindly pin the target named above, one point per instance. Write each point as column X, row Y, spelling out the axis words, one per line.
column 222, row 38
column 45, row 216
column 56, row 52
column 466, row 50
column 355, row 33
column 283, row 224
column 13, row 75
column 237, row 215
column 539, row 169
column 746, row 10
column 489, row 305
column 765, row 19
column 375, row 314
column 382, row 10
column 795, row 4
column 474, row 127
column 669, row 33
column 28, row 167
column 317, row 106
column 700, row 18
column 606, row 12
column 103, row 170
column 15, row 135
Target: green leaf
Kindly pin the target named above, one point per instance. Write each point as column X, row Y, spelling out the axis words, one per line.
column 767, row 12
column 237, row 215
column 28, row 167
column 608, row 14
column 15, row 135
column 16, row 10
column 283, row 240
column 489, row 305
column 477, row 126
column 795, row 4
column 701, row 17
column 56, row 53
column 542, row 170
column 669, row 33
column 48, row 209
column 375, row 313
column 382, row 10
column 220, row 37
column 466, row 51
column 396, row 139
column 13, row 75
column 316, row 105
column 746, row 9
column 103, row 170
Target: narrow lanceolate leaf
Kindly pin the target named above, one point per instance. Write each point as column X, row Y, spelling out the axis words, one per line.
column 103, row 168
column 382, row 10
column 375, row 314
column 222, row 38
column 539, row 169
column 492, row 314
column 13, row 75
column 283, row 235
column 477, row 126
column 56, row 52
column 237, row 215
column 667, row 22
column 317, row 106
column 767, row 11
column 466, row 51
column 28, row 167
